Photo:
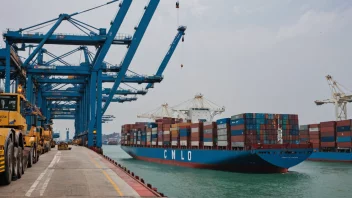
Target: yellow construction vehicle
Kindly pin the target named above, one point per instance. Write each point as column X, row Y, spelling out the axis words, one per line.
column 47, row 139
column 63, row 146
column 17, row 149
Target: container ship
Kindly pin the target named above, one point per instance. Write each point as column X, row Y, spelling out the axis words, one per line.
column 331, row 140
column 248, row 142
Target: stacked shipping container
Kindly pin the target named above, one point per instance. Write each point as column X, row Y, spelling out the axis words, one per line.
column 223, row 129
column 197, row 134
column 343, row 134
column 175, row 136
column 304, row 133
column 160, row 134
column 237, row 130
column 314, row 135
column 166, row 134
column 209, row 133
column 328, row 134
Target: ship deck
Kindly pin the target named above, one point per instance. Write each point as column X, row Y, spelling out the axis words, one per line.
column 77, row 172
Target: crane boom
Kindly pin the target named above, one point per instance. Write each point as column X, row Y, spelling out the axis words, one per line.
column 339, row 98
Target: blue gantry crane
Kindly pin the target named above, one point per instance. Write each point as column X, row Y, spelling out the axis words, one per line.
column 75, row 91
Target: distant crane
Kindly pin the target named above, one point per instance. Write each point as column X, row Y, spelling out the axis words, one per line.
column 339, row 98
column 195, row 109
column 161, row 112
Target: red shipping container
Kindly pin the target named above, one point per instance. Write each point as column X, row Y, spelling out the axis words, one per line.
column 344, row 144
column 343, row 123
column 316, row 145
column 195, row 134
column 237, row 127
column 327, row 134
column 315, row 141
column 314, row 133
column 194, row 138
column 327, row 144
column 327, row 129
column 238, row 138
column 208, row 135
column 343, row 134
column 327, row 124
column 304, row 136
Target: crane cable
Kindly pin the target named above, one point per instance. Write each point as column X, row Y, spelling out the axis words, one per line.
column 178, row 25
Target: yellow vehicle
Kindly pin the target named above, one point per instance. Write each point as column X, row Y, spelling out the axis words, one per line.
column 63, row 146
column 47, row 138
column 14, row 141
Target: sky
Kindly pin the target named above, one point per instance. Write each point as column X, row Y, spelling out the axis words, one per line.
column 249, row 56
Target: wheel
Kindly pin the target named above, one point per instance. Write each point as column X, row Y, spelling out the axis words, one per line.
column 35, row 153
column 20, row 169
column 6, row 177
column 15, row 164
column 30, row 158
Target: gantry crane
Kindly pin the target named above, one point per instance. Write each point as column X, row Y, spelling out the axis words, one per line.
column 339, row 98
column 195, row 109
column 75, row 91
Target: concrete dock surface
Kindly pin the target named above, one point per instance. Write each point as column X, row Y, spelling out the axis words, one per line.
column 79, row 172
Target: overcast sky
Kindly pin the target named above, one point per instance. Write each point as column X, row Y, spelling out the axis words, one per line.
column 249, row 56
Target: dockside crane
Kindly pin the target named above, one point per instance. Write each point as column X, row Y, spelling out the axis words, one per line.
column 339, row 97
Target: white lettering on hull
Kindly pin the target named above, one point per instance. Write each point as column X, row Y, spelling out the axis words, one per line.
column 173, row 155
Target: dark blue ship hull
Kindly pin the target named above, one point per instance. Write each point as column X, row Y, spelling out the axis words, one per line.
column 254, row 161
column 331, row 157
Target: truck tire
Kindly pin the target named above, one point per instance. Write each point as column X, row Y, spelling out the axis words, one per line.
column 15, row 164
column 6, row 177
column 20, row 169
column 30, row 158
column 35, row 153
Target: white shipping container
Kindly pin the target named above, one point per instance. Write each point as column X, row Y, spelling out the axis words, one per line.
column 154, row 129
column 183, row 142
column 314, row 129
column 222, row 132
column 174, row 143
column 138, row 142
column 166, row 132
column 222, row 143
column 237, row 144
column 160, row 143
column 223, row 137
column 222, row 126
column 149, row 133
column 153, row 143
column 194, row 130
column 208, row 143
column 154, row 132
column 207, row 131
column 195, row 143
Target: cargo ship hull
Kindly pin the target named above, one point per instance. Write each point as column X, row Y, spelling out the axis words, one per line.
column 331, row 157
column 255, row 161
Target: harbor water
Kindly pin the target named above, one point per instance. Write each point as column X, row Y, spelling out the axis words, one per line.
column 306, row 180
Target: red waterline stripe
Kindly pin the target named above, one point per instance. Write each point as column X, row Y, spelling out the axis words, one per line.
column 139, row 188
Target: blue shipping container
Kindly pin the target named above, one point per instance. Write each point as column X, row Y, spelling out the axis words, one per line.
column 223, row 121
column 343, row 128
column 260, row 115
column 327, row 139
column 237, row 122
column 208, row 139
column 343, row 139
column 184, row 133
column 236, row 132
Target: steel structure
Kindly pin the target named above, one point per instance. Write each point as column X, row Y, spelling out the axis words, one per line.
column 62, row 90
column 339, row 98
